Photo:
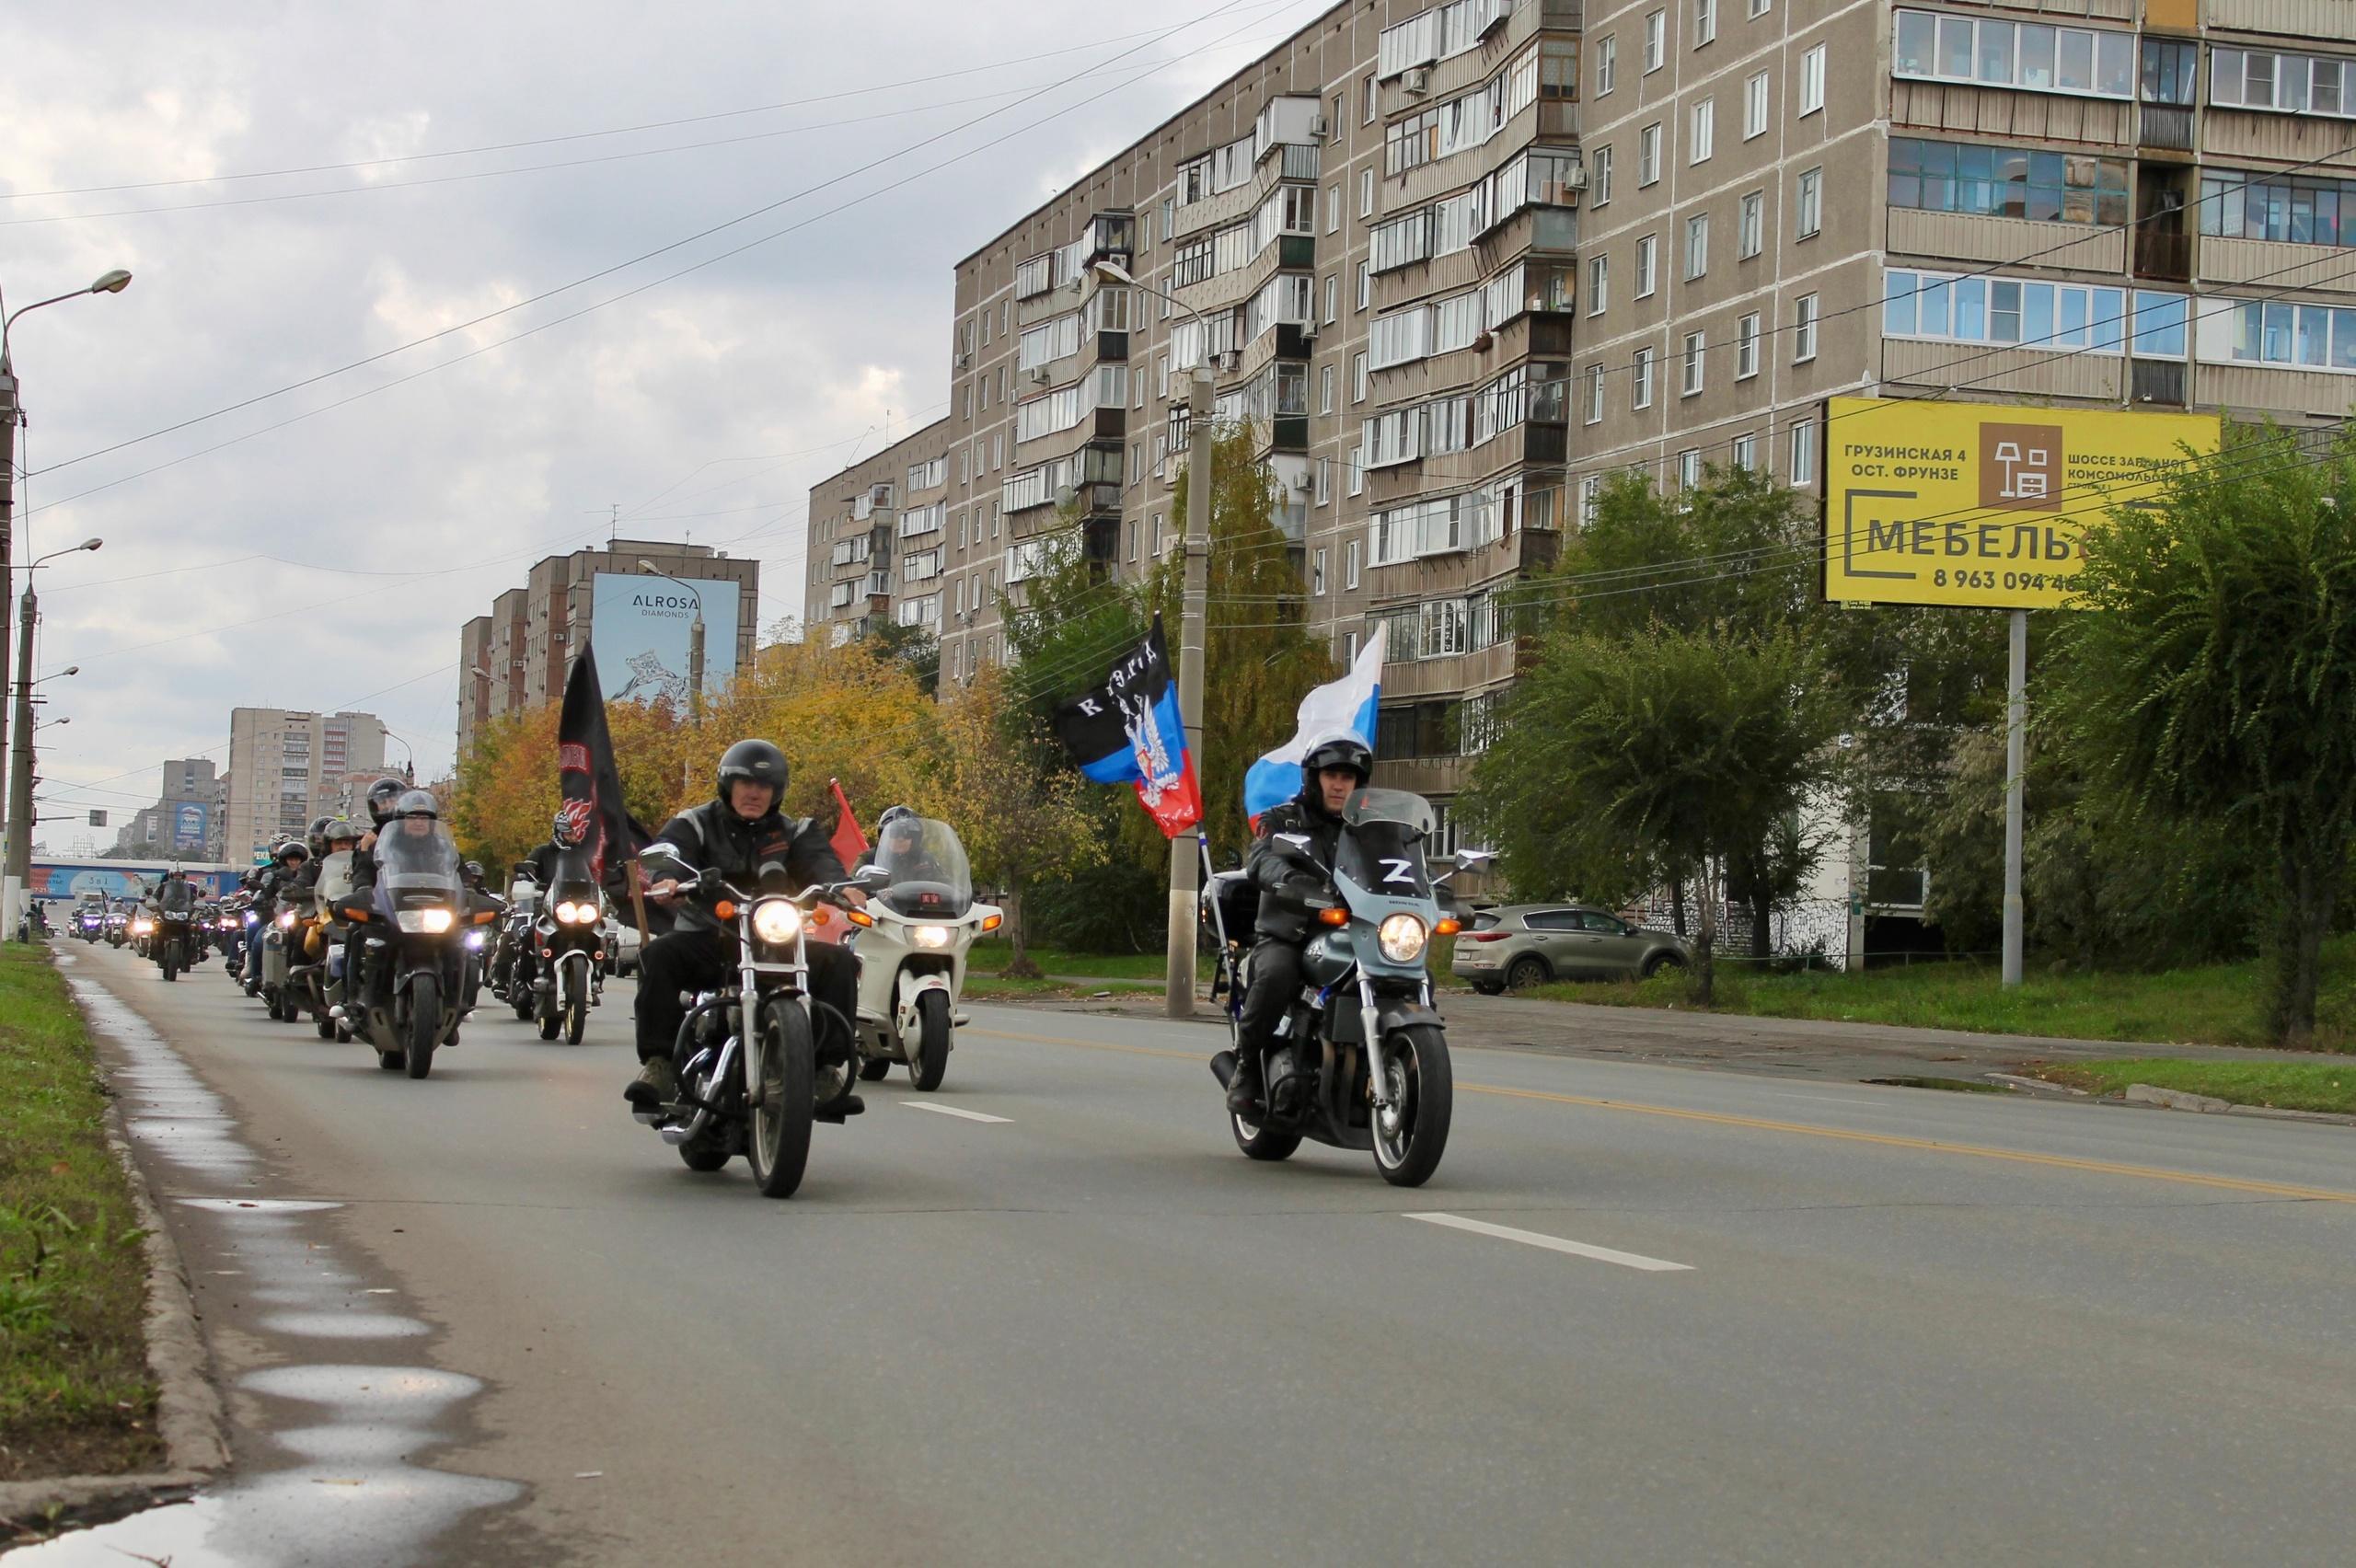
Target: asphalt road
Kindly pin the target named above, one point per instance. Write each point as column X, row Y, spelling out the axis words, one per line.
column 1907, row 1327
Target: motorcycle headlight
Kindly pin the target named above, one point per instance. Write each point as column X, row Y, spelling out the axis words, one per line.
column 474, row 939
column 285, row 919
column 142, row 927
column 575, row 914
column 1401, row 937
column 431, row 922
column 776, row 920
column 929, row 936
column 252, row 918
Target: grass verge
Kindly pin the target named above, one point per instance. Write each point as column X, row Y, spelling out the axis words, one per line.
column 2213, row 1005
column 75, row 1396
column 2286, row 1086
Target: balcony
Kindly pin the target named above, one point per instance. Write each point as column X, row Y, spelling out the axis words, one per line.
column 2165, row 128
column 2163, row 254
column 2159, row 380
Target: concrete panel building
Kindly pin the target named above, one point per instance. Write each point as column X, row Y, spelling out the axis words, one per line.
column 287, row 768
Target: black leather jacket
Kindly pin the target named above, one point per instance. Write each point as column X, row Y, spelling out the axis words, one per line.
column 1284, row 885
column 712, row 838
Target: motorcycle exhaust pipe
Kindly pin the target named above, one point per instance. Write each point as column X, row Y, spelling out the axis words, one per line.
column 1223, row 1068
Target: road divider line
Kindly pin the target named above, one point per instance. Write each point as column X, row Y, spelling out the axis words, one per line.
column 1802, row 1129
column 956, row 1111
column 1554, row 1243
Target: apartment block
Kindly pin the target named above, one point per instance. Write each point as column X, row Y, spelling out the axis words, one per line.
column 516, row 656
column 1454, row 265
column 287, row 768
column 186, row 821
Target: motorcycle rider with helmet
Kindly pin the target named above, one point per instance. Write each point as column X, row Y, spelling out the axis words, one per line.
column 734, row 834
column 566, row 833
column 899, row 836
column 288, row 862
column 1330, row 771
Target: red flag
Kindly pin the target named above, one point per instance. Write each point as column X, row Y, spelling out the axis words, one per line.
column 850, row 844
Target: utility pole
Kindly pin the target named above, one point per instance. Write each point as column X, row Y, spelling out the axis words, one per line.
column 8, row 417
column 695, row 665
column 2015, row 745
column 20, row 764
column 1185, row 866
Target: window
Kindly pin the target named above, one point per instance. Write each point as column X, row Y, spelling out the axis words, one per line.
column 1745, row 451
column 1365, row 285
column 1317, row 575
column 1325, row 389
column 1705, row 118
column 1648, row 274
column 1332, row 209
column 1641, row 394
column 2002, row 311
column 1752, row 236
column 1325, row 481
column 2308, row 337
column 1600, row 178
column 2160, row 323
column 1607, row 65
column 2293, row 208
column 1599, row 284
column 1812, row 81
column 1754, row 105
column 1366, row 192
column 2010, row 182
column 1807, row 207
column 1595, row 394
column 2028, row 55
column 1357, row 473
column 1746, row 347
column 1804, row 329
column 1693, row 359
column 1705, row 22
column 1333, row 297
column 2168, row 67
column 1689, row 468
column 1759, row 8
column 1801, row 469
column 1656, row 40
column 1697, row 245
column 1350, row 563
column 2286, row 84
column 1648, row 154
column 1373, row 96
column 1357, row 381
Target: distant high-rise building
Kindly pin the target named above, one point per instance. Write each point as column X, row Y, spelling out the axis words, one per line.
column 515, row 657
column 186, row 821
column 287, row 768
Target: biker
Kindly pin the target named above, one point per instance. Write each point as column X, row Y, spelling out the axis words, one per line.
column 383, row 801
column 288, row 862
column 568, row 832
column 1329, row 772
column 736, row 835
column 899, row 846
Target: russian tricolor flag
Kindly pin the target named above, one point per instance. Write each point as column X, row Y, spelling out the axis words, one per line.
column 1348, row 703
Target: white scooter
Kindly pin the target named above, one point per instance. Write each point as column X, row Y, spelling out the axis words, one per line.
column 911, row 942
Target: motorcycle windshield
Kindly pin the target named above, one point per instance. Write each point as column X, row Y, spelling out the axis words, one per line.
column 415, row 856
column 929, row 877
column 573, row 880
column 1382, row 843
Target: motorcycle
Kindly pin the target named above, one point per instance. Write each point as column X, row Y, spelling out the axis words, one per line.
column 753, row 1077
column 140, row 928
column 512, row 979
column 171, row 934
column 276, row 985
column 567, row 936
column 90, row 925
column 912, row 942
column 117, row 928
column 1360, row 1059
column 407, row 999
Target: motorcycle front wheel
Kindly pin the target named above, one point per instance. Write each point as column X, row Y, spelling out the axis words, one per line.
column 780, row 1147
column 929, row 1064
column 424, row 1023
column 1411, row 1133
column 171, row 961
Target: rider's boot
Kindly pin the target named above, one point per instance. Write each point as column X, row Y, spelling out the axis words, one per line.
column 1244, row 1092
column 657, row 1084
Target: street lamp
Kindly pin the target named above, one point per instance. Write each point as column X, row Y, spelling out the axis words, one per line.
column 1185, row 868
column 20, row 760
column 695, row 643
column 11, row 415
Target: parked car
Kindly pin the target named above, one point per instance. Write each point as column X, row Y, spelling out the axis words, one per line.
column 1530, row 944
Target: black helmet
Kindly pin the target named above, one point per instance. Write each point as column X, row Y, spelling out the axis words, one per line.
column 757, row 762
column 416, row 803
column 1337, row 751
column 317, row 835
column 292, row 847
column 571, row 827
column 381, row 796
column 892, row 815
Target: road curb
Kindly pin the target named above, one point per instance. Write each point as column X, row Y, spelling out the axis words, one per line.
column 2036, row 1086
column 190, row 1418
column 2176, row 1100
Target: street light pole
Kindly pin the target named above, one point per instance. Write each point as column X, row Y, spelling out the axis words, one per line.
column 11, row 415
column 20, row 759
column 1185, row 863
column 695, row 646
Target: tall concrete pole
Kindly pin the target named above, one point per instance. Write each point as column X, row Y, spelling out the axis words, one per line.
column 1186, row 871
column 8, row 524
column 20, row 767
column 2015, row 737
column 695, row 664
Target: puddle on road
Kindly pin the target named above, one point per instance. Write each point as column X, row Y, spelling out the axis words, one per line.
column 333, row 1474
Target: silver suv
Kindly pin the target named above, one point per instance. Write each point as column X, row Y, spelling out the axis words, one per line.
column 1530, row 944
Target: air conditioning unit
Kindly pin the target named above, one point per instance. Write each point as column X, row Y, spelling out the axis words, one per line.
column 963, row 359
column 1317, row 126
column 1304, row 481
column 1574, row 178
column 1226, row 360
column 1417, row 81
column 1309, row 331
column 1038, row 374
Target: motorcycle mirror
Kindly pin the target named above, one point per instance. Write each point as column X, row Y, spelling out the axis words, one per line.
column 873, row 876
column 663, row 854
column 1473, row 859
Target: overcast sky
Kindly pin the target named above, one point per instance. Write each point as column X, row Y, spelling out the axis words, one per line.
column 704, row 406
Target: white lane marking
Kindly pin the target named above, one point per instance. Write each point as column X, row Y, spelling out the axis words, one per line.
column 1553, row 1243
column 956, row 1111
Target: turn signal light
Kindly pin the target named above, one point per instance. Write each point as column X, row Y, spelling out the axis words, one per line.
column 858, row 918
column 821, row 916
column 992, row 922
column 1333, row 916
column 724, row 909
column 1448, row 928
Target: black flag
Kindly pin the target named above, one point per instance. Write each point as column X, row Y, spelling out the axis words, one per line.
column 591, row 784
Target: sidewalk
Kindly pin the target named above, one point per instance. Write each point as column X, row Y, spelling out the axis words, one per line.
column 1782, row 1046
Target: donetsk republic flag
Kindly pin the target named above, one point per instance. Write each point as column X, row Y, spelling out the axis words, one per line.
column 1128, row 730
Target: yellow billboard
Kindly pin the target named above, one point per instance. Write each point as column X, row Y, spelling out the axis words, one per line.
column 1980, row 503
